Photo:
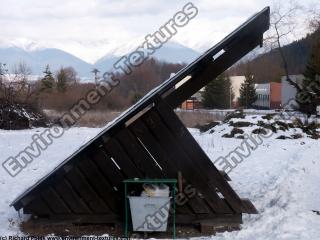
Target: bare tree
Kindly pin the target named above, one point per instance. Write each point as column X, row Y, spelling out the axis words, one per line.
column 71, row 76
column 7, row 86
column 314, row 17
column 61, row 80
column 21, row 79
column 283, row 22
column 16, row 87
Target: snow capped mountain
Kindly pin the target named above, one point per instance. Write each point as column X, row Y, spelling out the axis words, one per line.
column 175, row 52
column 38, row 59
column 169, row 52
column 37, row 56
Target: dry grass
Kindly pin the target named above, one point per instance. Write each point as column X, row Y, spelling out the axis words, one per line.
column 97, row 118
column 92, row 118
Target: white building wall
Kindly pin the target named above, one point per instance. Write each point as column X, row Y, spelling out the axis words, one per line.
column 288, row 92
column 236, row 82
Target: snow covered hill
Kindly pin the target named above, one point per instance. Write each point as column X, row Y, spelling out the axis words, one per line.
column 280, row 176
column 169, row 52
column 38, row 58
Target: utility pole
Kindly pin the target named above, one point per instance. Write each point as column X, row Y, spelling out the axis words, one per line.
column 230, row 98
column 95, row 71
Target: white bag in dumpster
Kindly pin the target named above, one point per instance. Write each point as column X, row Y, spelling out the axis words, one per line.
column 155, row 190
column 149, row 214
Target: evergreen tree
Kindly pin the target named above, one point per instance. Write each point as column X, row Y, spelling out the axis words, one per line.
column 3, row 69
column 218, row 93
column 309, row 96
column 47, row 82
column 61, row 80
column 248, row 93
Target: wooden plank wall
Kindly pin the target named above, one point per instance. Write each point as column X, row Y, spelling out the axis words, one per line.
column 156, row 145
column 149, row 141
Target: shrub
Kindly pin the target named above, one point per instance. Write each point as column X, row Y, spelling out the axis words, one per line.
column 233, row 132
column 283, row 126
column 260, row 131
column 296, row 136
column 269, row 116
column 235, row 114
column 207, row 126
column 240, row 137
column 240, row 124
column 227, row 135
column 282, row 137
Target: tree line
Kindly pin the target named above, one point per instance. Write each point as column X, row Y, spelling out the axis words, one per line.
column 61, row 89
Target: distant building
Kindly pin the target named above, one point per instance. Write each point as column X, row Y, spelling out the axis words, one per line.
column 191, row 104
column 195, row 101
column 269, row 96
column 288, row 92
column 236, row 82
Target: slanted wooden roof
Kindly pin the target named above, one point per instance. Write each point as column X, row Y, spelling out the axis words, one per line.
column 148, row 140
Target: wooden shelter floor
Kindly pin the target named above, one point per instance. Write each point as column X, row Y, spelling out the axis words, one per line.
column 36, row 228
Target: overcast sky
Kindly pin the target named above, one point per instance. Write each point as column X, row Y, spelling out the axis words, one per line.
column 91, row 28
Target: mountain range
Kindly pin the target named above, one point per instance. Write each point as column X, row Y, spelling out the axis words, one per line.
column 37, row 59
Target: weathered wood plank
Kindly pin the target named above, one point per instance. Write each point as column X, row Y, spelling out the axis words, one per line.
column 188, row 200
column 108, row 168
column 69, row 195
column 79, row 182
column 98, row 182
column 138, row 154
column 122, row 159
column 183, row 162
column 250, row 208
column 63, row 219
column 55, row 202
column 37, row 207
column 141, row 131
column 200, row 159
column 225, row 175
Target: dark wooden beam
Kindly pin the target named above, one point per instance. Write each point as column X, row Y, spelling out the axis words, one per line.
column 211, row 69
column 138, row 154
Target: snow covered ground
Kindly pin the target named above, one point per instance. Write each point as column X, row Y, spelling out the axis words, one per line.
column 280, row 177
column 11, row 143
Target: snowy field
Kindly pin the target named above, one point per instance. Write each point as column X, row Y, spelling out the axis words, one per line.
column 280, row 177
